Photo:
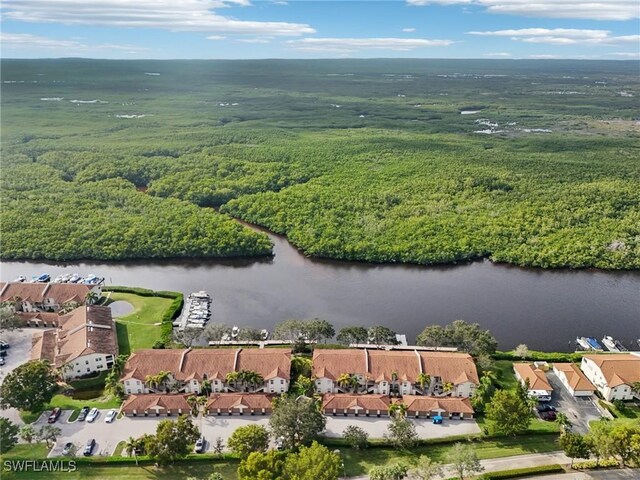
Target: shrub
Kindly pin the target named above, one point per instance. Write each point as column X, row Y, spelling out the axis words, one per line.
column 522, row 472
column 591, row 464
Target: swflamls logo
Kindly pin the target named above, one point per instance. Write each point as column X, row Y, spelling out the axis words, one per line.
column 39, row 466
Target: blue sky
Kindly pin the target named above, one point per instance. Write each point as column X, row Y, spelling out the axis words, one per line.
column 159, row 29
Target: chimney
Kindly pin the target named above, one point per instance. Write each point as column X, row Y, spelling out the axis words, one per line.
column 235, row 360
column 419, row 360
column 183, row 357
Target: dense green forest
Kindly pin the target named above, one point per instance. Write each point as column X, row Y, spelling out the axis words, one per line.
column 533, row 163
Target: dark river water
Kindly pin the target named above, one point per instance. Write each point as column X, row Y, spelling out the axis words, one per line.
column 544, row 309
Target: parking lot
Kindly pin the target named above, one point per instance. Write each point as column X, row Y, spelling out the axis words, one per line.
column 377, row 427
column 579, row 410
column 18, row 353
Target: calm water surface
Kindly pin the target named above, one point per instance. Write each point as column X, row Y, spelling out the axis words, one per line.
column 544, row 309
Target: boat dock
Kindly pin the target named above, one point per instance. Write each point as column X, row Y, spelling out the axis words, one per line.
column 402, row 347
column 258, row 343
column 196, row 311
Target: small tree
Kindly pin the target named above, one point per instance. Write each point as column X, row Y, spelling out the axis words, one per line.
column 563, row 421
column 574, row 446
column 131, row 447
column 9, row 320
column 356, row 437
column 8, row 434
column 218, row 446
column 426, row 469
column 508, row 413
column 402, row 433
column 172, row 439
column 248, row 439
column 262, row 466
column 28, row 433
column 380, row 335
column 463, row 460
column 297, row 420
column 316, row 462
column 394, row 471
column 215, row 332
column 49, row 434
column 599, row 440
column 188, row 336
column 29, row 386
column 216, row 476
column 522, row 351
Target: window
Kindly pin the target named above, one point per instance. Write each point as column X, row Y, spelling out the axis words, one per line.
column 86, row 362
column 271, row 382
column 88, row 369
column 281, row 382
column 99, row 366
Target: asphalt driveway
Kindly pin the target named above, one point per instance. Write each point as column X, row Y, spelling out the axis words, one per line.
column 580, row 410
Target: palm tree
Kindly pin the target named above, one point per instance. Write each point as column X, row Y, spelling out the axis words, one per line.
column 398, row 410
column 394, row 381
column 563, row 421
column 192, row 400
column 447, row 387
column 423, row 379
column 131, row 447
column 162, row 377
column 635, row 387
column 206, row 386
column 344, row 381
column 232, row 378
column 91, row 297
column 151, row 381
column 255, row 379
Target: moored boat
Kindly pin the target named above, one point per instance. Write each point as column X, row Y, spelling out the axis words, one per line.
column 594, row 344
column 264, row 334
column 583, row 343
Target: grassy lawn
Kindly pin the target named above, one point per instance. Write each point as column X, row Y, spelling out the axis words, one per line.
column 200, row 470
column 25, row 450
column 505, row 376
column 358, row 462
column 536, row 426
column 141, row 328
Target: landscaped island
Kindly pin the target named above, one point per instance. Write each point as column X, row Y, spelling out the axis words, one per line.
column 367, row 160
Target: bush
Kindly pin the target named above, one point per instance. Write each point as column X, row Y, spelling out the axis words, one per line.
column 522, row 472
column 534, row 355
column 591, row 464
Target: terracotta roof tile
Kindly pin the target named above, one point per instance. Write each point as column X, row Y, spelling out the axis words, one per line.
column 268, row 362
column 574, row 376
column 418, row 403
column 619, row 368
column 537, row 378
column 164, row 402
column 347, row 401
column 226, row 401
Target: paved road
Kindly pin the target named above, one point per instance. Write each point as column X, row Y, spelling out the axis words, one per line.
column 579, row 410
column 626, row 474
column 17, row 354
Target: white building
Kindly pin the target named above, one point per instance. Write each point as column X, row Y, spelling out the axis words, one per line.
column 536, row 379
column 84, row 343
column 398, row 372
column 613, row 374
column 187, row 370
column 573, row 379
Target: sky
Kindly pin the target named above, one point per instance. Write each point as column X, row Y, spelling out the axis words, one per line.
column 249, row 29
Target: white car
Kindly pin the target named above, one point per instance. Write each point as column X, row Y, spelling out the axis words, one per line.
column 92, row 415
column 111, row 416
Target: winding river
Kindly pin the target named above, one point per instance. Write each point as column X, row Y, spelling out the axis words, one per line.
column 544, row 309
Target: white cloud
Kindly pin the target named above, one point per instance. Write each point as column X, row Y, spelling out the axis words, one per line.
column 561, row 36
column 355, row 44
column 593, row 10
column 497, row 55
column 216, row 37
column 174, row 15
column 409, row 30
column 20, row 41
column 627, row 54
column 256, row 40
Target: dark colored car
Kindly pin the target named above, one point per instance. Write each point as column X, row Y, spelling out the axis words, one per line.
column 548, row 416
column 67, row 448
column 200, row 444
column 3, row 353
column 55, row 414
column 83, row 414
column 4, row 345
column 88, row 448
column 545, row 407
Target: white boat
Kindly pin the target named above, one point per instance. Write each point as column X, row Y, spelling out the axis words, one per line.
column 20, row 279
column 264, row 334
column 75, row 278
column 235, row 331
column 582, row 342
column 612, row 344
column 58, row 279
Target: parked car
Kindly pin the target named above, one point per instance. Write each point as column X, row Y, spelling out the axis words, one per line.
column 544, row 398
column 3, row 353
column 54, row 415
column 83, row 414
column 548, row 416
column 111, row 416
column 88, row 448
column 279, row 443
column 2, row 362
column 4, row 345
column 92, row 415
column 200, row 444
column 68, row 447
column 545, row 407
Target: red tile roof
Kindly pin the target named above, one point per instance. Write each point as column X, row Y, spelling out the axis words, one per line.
column 228, row 401
column 418, row 403
column 347, row 401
